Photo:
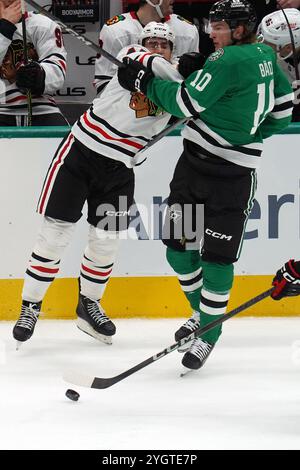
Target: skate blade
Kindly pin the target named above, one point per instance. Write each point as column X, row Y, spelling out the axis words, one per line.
column 18, row 345
column 86, row 328
column 186, row 371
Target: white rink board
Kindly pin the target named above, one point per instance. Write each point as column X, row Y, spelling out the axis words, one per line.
column 23, row 167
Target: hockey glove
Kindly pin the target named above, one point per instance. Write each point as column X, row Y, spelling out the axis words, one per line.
column 190, row 62
column 287, row 280
column 134, row 76
column 31, row 77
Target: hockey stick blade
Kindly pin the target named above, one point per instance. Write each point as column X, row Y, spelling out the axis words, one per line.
column 101, row 383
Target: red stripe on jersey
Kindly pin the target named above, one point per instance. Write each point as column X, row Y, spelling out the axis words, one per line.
column 45, row 270
column 18, row 98
column 143, row 56
column 53, row 169
column 63, row 64
column 96, row 273
column 101, row 131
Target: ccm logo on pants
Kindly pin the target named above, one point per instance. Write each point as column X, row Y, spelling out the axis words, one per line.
column 221, row 236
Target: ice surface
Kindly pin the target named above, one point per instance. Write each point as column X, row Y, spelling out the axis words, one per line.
column 247, row 396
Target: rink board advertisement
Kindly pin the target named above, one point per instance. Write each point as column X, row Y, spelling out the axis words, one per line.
column 143, row 284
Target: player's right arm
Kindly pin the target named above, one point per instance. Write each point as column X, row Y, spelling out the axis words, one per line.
column 195, row 94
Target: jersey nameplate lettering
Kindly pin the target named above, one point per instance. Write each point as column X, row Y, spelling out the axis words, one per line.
column 266, row 69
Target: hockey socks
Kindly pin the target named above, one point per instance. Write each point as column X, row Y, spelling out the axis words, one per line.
column 187, row 265
column 206, row 286
column 39, row 275
column 217, row 282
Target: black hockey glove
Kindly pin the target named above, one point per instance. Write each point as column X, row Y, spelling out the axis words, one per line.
column 287, row 280
column 190, row 62
column 134, row 76
column 31, row 77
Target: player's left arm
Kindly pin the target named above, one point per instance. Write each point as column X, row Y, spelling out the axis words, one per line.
column 281, row 115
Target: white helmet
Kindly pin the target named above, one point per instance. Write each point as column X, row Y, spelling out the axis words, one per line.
column 275, row 30
column 157, row 30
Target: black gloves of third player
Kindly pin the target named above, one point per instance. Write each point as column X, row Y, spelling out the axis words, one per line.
column 287, row 280
column 190, row 62
column 134, row 76
column 31, row 77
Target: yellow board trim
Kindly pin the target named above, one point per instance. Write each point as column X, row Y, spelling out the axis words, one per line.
column 151, row 297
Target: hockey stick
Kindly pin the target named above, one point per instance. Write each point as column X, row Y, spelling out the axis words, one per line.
column 98, row 382
column 163, row 133
column 25, row 56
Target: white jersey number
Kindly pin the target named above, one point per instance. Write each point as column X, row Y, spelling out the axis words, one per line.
column 263, row 108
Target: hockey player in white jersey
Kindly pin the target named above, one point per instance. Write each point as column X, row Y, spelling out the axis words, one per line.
column 95, row 163
column 43, row 75
column 125, row 29
column 275, row 32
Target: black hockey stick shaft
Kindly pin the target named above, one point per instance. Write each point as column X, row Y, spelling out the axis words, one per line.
column 164, row 132
column 85, row 40
column 25, row 56
column 101, row 383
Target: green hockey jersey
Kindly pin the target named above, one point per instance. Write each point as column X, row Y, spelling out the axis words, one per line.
column 239, row 98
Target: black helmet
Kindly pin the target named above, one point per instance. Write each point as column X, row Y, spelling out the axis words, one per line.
column 234, row 13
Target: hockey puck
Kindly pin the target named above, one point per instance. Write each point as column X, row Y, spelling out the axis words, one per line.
column 72, row 395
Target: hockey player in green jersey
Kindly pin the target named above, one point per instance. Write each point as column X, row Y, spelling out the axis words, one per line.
column 237, row 99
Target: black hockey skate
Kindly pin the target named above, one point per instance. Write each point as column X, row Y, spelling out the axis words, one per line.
column 93, row 320
column 24, row 328
column 186, row 329
column 198, row 353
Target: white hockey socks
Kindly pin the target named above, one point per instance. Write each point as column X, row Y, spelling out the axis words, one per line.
column 97, row 262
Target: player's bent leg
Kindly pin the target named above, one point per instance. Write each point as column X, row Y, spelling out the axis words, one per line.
column 96, row 267
column 217, row 282
column 43, row 266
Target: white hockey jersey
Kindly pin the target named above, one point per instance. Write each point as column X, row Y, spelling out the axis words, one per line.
column 119, row 124
column 45, row 43
column 123, row 30
column 288, row 69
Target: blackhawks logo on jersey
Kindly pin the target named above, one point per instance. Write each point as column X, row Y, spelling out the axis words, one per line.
column 216, row 55
column 143, row 107
column 14, row 57
column 115, row 19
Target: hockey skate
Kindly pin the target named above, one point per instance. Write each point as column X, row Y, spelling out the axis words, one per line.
column 24, row 328
column 93, row 321
column 197, row 354
column 191, row 325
